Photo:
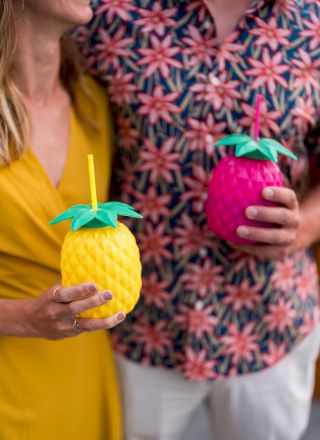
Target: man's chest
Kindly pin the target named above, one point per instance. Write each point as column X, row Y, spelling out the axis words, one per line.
column 176, row 91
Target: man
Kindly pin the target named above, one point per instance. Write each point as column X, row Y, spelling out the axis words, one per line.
column 237, row 327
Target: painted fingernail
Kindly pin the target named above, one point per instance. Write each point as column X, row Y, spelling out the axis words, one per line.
column 121, row 316
column 268, row 193
column 107, row 295
column 243, row 231
column 252, row 212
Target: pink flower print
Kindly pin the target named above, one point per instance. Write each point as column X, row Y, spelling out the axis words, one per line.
column 197, row 367
column 241, row 261
column 274, row 353
column 198, row 184
column 154, row 337
column 197, row 320
column 121, row 87
column 157, row 19
column 305, row 286
column 158, row 105
column 268, row 72
column 240, row 344
column 203, row 134
column 280, row 316
column 153, row 244
column 307, row 282
column 229, row 51
column 201, row 47
column 285, row 7
column 191, row 237
column 162, row 161
column 270, row 34
column 306, row 72
column 117, row 345
column 160, row 56
column 204, row 279
column 269, row 120
column 284, row 275
column 303, row 113
column 114, row 8
column 82, row 36
column 242, row 296
column 151, row 204
column 155, row 292
column 202, row 10
column 127, row 178
column 111, row 48
column 312, row 31
column 309, row 322
column 128, row 134
column 219, row 91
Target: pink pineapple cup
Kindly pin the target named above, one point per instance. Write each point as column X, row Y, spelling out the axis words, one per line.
column 239, row 179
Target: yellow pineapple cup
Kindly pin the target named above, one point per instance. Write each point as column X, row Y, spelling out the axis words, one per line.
column 102, row 250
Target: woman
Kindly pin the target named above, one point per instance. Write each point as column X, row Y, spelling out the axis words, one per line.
column 52, row 383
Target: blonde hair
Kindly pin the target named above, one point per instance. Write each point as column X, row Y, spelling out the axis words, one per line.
column 14, row 121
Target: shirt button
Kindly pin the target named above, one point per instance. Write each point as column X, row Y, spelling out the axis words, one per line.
column 203, row 252
column 199, row 305
column 214, row 79
column 209, row 139
column 207, row 24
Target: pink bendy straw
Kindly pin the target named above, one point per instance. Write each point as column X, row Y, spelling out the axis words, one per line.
column 257, row 117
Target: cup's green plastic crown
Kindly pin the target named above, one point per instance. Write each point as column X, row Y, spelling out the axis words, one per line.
column 84, row 216
column 262, row 149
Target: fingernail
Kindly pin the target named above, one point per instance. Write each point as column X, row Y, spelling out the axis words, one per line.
column 252, row 212
column 107, row 295
column 121, row 316
column 92, row 287
column 243, row 231
column 268, row 193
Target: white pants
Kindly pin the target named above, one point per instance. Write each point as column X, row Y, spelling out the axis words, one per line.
column 270, row 405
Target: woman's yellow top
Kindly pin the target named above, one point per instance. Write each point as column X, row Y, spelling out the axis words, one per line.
column 54, row 390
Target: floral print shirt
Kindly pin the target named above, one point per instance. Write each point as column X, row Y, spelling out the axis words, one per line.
column 205, row 309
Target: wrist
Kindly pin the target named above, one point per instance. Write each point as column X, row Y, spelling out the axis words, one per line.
column 23, row 313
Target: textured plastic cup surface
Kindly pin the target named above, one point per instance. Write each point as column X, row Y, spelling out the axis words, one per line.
column 235, row 184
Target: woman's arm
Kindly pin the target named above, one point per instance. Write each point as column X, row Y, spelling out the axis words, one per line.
column 296, row 227
column 52, row 314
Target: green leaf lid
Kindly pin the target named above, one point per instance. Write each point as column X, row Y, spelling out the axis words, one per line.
column 84, row 216
column 254, row 147
column 95, row 215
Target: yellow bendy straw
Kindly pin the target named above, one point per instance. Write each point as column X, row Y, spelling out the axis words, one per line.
column 92, row 183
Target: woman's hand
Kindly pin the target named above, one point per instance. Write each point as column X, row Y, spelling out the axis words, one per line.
column 287, row 235
column 53, row 314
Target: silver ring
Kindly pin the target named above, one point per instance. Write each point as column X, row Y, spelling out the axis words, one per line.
column 55, row 292
column 75, row 326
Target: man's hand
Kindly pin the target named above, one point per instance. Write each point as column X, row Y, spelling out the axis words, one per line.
column 288, row 234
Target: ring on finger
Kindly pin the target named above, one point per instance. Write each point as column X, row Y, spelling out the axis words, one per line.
column 55, row 293
column 76, row 326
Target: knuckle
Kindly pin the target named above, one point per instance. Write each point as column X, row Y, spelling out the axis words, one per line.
column 287, row 218
column 97, row 300
column 292, row 197
column 73, row 308
column 52, row 312
column 278, row 238
column 88, row 327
